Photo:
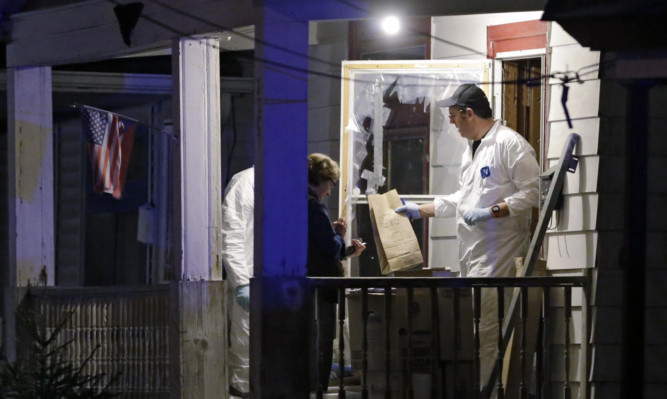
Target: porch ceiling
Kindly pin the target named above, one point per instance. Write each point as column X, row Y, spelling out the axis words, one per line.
column 635, row 25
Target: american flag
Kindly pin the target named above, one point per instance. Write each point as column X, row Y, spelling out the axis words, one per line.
column 109, row 144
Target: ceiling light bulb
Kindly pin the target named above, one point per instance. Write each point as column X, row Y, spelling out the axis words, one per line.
column 391, row 25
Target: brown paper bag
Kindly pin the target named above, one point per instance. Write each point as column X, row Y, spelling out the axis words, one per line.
column 395, row 240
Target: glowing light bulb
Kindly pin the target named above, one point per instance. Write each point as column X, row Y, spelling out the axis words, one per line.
column 391, row 25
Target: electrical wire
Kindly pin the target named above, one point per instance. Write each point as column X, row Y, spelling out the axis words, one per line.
column 565, row 77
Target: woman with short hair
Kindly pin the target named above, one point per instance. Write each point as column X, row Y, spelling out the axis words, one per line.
column 326, row 250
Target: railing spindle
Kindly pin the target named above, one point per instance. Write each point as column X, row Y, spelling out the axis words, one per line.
column 477, row 302
column 410, row 315
column 566, row 349
column 523, row 389
column 341, row 342
column 364, row 343
column 501, row 349
column 457, row 339
column 435, row 340
column 318, row 356
column 539, row 351
column 546, row 321
column 387, row 332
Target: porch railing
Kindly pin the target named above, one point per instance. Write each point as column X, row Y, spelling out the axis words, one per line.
column 129, row 326
column 436, row 354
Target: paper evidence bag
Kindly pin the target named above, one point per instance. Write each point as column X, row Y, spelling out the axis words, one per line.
column 395, row 240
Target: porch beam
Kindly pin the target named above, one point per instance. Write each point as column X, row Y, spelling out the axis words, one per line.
column 67, row 34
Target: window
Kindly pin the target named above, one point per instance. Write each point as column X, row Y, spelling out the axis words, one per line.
column 395, row 137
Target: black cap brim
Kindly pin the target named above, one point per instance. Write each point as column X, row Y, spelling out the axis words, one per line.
column 447, row 102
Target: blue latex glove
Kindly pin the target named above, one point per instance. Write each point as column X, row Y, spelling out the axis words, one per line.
column 477, row 215
column 411, row 209
column 243, row 297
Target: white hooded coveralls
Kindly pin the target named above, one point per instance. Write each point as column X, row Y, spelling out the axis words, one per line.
column 237, row 255
column 504, row 168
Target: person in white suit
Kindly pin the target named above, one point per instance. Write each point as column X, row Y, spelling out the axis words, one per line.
column 237, row 255
column 499, row 181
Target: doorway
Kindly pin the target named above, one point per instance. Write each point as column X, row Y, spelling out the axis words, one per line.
column 522, row 101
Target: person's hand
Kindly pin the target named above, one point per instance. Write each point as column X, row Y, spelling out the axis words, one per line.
column 243, row 297
column 359, row 247
column 477, row 215
column 411, row 209
column 340, row 226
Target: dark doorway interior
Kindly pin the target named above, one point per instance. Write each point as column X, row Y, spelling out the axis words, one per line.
column 522, row 101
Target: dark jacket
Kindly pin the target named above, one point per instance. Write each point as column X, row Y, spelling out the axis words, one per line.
column 326, row 248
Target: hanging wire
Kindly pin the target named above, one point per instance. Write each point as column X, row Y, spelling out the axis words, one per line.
column 285, row 67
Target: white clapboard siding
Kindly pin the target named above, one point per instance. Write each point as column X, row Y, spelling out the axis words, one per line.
column 557, row 390
column 443, row 252
column 571, row 241
column 572, row 57
column 556, row 295
column 557, row 366
column 571, row 250
column 588, row 129
column 576, row 215
column 585, row 180
column 558, row 36
column 443, row 227
column 583, row 100
column 557, row 333
column 38, row 37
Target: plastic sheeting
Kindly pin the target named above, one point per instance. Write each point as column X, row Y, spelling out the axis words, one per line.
column 397, row 138
column 409, row 95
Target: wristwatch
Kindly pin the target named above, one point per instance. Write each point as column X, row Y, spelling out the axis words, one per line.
column 495, row 211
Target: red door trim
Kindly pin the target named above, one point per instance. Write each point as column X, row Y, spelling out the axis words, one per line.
column 516, row 36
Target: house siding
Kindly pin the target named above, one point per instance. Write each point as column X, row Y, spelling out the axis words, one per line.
column 328, row 41
column 572, row 240
column 609, row 283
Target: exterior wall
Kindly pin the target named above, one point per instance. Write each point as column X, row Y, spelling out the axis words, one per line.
column 607, row 298
column 571, row 242
column 464, row 36
column 655, row 350
column 328, row 42
column 614, row 263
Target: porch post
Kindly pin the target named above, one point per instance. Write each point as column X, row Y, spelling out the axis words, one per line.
column 30, row 188
column 197, row 117
column 279, row 296
column 197, row 328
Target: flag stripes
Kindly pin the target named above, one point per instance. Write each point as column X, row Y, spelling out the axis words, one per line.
column 110, row 142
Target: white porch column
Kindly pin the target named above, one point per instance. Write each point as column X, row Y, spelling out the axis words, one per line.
column 30, row 158
column 198, row 341
column 197, row 109
column 30, row 188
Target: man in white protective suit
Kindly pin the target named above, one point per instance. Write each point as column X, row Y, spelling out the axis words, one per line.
column 493, row 206
column 237, row 255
